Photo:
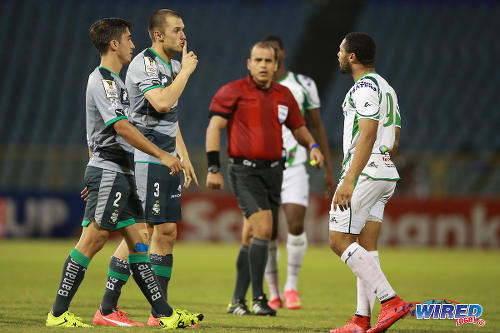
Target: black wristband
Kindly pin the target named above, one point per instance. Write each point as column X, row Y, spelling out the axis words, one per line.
column 213, row 158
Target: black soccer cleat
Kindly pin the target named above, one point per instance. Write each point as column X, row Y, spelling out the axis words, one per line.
column 260, row 307
column 238, row 308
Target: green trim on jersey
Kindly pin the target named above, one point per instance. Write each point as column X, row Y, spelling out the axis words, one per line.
column 373, row 178
column 150, row 162
column 373, row 80
column 362, row 76
column 113, row 73
column 115, row 120
column 355, row 127
column 152, row 87
column 117, row 275
column 166, row 63
column 350, row 101
column 375, row 115
column 85, row 223
column 291, row 159
column 284, row 77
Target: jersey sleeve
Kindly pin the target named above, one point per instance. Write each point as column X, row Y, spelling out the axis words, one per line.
column 143, row 72
column 312, row 96
column 106, row 96
column 366, row 98
column 224, row 101
column 294, row 119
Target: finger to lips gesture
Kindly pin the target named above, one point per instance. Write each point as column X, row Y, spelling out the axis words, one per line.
column 189, row 59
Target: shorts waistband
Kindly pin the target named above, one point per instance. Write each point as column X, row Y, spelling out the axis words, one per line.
column 256, row 164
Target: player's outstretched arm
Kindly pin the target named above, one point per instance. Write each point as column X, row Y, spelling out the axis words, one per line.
column 180, row 146
column 305, row 139
column 212, row 145
column 135, row 138
column 162, row 99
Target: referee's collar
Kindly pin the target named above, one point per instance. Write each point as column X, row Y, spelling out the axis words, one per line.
column 251, row 84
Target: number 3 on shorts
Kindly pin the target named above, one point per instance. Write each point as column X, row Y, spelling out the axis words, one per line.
column 156, row 193
column 118, row 197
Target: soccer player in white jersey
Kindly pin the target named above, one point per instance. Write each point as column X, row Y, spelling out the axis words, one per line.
column 368, row 177
column 295, row 187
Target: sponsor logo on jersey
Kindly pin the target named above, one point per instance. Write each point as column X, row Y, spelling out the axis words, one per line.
column 372, row 165
column 124, row 97
column 119, row 112
column 110, row 88
column 367, row 104
column 282, row 113
column 150, row 66
column 156, row 208
column 363, row 84
column 448, row 309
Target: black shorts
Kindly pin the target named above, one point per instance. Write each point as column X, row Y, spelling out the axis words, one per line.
column 112, row 199
column 256, row 188
column 160, row 193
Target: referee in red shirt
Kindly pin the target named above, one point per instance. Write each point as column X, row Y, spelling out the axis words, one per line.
column 253, row 109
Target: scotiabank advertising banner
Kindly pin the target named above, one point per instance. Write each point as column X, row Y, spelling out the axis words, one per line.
column 442, row 223
column 215, row 216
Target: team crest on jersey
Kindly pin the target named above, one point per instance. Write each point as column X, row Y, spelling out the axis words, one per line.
column 156, row 208
column 282, row 113
column 110, row 88
column 114, row 217
column 150, row 66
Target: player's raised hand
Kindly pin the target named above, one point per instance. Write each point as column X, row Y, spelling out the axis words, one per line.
column 189, row 59
column 189, row 174
column 172, row 162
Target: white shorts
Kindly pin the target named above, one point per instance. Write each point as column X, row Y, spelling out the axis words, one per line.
column 367, row 203
column 295, row 186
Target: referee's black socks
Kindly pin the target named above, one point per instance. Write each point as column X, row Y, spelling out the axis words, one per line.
column 257, row 256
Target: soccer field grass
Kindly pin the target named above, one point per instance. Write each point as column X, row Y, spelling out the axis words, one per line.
column 203, row 280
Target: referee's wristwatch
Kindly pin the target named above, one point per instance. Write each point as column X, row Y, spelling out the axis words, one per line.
column 213, row 169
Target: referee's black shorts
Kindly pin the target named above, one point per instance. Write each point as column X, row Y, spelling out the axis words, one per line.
column 256, row 188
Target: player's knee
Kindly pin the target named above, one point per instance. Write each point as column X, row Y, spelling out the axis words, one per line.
column 264, row 232
column 167, row 233
column 296, row 228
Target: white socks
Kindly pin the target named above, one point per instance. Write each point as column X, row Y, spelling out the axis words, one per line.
column 366, row 296
column 364, row 266
column 271, row 271
column 296, row 248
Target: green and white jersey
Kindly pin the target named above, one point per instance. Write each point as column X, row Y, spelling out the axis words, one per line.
column 149, row 71
column 305, row 92
column 106, row 103
column 371, row 97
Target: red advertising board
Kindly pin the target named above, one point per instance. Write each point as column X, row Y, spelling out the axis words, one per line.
column 472, row 222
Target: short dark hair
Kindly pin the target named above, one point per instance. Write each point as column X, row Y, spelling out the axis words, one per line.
column 107, row 29
column 265, row 45
column 274, row 38
column 157, row 20
column 362, row 45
